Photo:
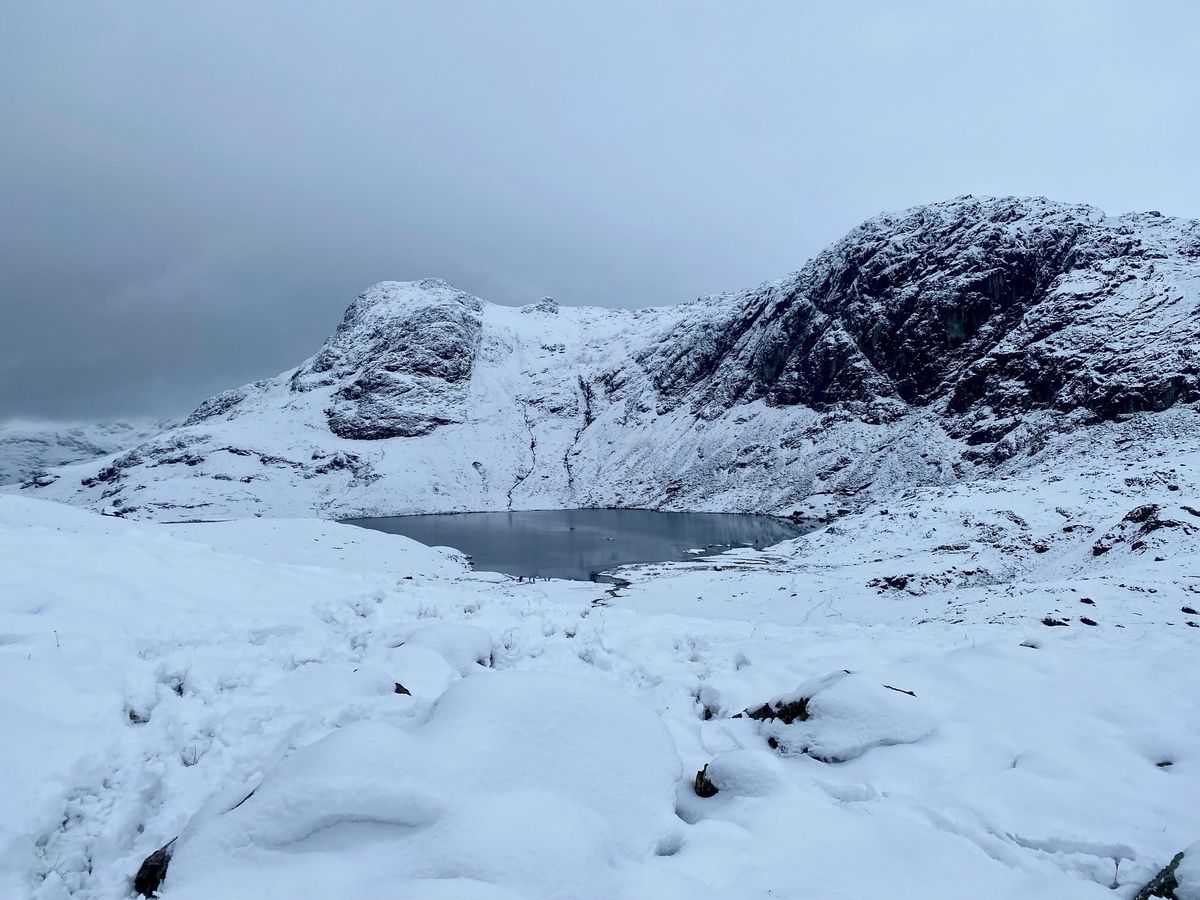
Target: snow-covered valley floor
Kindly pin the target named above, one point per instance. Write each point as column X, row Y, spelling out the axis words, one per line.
column 234, row 686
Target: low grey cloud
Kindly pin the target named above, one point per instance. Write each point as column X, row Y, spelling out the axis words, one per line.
column 192, row 193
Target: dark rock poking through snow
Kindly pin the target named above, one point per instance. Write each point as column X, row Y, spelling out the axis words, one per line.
column 703, row 787
column 1164, row 884
column 839, row 717
column 786, row 711
column 153, row 870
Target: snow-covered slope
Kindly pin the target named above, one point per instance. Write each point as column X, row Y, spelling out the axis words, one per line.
column 983, row 690
column 28, row 448
column 926, row 347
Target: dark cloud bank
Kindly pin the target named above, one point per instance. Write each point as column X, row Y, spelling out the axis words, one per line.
column 191, row 193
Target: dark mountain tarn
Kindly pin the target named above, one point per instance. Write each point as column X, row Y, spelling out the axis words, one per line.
column 581, row 544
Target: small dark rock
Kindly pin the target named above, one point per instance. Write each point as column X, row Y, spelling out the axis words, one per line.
column 153, row 870
column 1052, row 622
column 899, row 582
column 1142, row 513
column 1088, row 600
column 704, row 787
column 401, row 689
column 1189, row 610
column 786, row 712
column 1086, row 621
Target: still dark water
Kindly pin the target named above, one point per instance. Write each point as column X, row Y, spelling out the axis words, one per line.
column 581, row 543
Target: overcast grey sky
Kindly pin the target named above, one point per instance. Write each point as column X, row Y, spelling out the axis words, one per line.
column 192, row 192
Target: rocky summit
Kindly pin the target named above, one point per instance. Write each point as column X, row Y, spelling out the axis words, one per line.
column 936, row 345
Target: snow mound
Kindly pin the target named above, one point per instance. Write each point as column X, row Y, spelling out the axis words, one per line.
column 847, row 716
column 746, row 773
column 422, row 672
column 519, row 782
column 464, row 647
column 588, row 742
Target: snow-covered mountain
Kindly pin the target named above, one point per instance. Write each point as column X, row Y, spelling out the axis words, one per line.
column 972, row 682
column 927, row 347
column 28, row 447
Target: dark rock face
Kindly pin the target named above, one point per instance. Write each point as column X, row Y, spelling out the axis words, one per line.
column 393, row 363
column 1006, row 304
column 397, row 360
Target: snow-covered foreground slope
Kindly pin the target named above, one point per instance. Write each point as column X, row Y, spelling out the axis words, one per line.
column 233, row 688
column 927, row 347
column 27, row 448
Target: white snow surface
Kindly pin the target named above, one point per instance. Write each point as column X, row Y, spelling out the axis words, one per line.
column 231, row 687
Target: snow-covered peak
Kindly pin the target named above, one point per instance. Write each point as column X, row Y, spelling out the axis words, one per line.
column 913, row 308
column 384, row 315
column 397, row 298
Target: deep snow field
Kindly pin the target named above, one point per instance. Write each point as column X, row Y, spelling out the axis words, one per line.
column 234, row 686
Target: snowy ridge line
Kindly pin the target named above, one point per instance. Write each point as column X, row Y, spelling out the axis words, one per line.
column 941, row 344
